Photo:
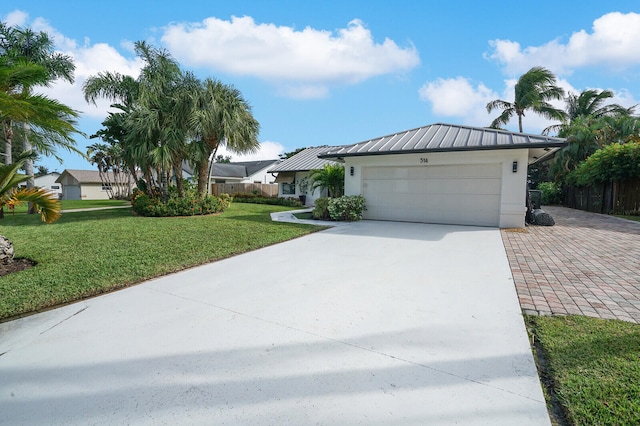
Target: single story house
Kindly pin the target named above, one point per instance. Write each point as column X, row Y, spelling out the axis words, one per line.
column 444, row 173
column 293, row 174
column 242, row 172
column 86, row 185
column 48, row 183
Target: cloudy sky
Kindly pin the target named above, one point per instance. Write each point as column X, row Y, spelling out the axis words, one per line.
column 340, row 72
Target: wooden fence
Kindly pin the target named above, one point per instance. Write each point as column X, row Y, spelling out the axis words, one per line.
column 264, row 189
column 613, row 197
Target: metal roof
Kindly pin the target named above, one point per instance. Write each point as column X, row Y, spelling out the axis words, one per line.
column 303, row 161
column 444, row 138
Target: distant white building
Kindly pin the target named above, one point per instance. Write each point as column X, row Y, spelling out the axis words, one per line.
column 48, row 183
column 87, row 185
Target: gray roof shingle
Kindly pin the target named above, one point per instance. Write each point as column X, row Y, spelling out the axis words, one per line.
column 443, row 138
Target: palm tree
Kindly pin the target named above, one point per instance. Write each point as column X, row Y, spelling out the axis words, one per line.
column 28, row 46
column 330, row 177
column 220, row 116
column 52, row 122
column 533, row 91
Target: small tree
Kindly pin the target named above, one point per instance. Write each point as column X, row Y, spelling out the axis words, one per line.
column 330, row 177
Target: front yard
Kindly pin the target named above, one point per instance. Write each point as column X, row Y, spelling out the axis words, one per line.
column 89, row 253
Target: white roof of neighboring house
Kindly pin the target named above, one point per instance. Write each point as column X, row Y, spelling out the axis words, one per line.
column 240, row 169
column 303, row 161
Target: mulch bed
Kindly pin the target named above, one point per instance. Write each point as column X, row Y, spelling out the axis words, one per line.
column 16, row 266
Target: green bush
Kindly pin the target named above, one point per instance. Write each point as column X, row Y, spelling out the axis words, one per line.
column 614, row 162
column 321, row 209
column 188, row 205
column 551, row 193
column 347, row 207
column 253, row 199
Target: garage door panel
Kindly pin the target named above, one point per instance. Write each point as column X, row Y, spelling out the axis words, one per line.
column 465, row 194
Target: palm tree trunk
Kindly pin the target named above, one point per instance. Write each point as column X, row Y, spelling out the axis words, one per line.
column 8, row 141
column 520, row 122
column 203, row 177
column 177, row 171
column 28, row 164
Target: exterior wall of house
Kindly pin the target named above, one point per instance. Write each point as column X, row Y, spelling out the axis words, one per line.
column 513, row 185
column 93, row 191
column 71, row 192
column 48, row 183
column 260, row 176
column 311, row 197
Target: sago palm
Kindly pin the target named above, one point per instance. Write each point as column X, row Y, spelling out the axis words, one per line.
column 45, row 202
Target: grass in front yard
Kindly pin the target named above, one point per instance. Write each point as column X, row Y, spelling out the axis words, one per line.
column 594, row 366
column 304, row 216
column 88, row 253
column 74, row 204
column 630, row 217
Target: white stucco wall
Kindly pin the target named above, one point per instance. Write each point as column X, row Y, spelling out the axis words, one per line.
column 513, row 193
column 311, row 196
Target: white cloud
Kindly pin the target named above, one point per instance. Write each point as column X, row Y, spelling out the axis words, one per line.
column 310, row 59
column 268, row 151
column 457, row 97
column 613, row 43
column 17, row 18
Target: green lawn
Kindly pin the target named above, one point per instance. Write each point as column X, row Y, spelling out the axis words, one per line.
column 594, row 365
column 75, row 204
column 88, row 253
column 630, row 217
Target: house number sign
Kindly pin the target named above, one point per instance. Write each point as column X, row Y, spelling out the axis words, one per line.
column 424, row 160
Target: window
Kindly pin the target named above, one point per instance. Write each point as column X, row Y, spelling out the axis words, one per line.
column 106, row 187
column 288, row 188
column 55, row 186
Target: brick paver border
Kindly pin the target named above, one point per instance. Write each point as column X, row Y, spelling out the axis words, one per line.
column 587, row 264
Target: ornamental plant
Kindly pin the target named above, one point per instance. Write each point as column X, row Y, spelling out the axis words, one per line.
column 347, row 208
column 613, row 163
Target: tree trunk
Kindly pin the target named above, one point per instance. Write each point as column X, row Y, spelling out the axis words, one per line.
column 203, row 177
column 28, row 164
column 177, row 171
column 8, row 139
column 520, row 122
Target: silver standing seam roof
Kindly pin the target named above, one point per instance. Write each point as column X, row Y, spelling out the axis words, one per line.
column 303, row 161
column 446, row 138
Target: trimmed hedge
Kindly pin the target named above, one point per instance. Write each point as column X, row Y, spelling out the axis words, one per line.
column 178, row 206
column 257, row 199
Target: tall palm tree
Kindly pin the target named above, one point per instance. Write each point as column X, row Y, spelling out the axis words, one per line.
column 50, row 120
column 220, row 116
column 25, row 45
column 533, row 91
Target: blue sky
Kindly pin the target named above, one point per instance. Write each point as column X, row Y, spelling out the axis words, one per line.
column 340, row 72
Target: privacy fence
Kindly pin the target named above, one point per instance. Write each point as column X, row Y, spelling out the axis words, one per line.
column 612, row 197
column 263, row 189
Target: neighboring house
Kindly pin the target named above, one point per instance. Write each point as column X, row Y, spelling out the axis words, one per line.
column 242, row 172
column 48, row 183
column 295, row 171
column 444, row 174
column 85, row 185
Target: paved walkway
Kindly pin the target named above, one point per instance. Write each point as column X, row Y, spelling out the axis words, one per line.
column 587, row 264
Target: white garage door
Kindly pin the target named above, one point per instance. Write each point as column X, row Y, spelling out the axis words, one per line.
column 452, row 194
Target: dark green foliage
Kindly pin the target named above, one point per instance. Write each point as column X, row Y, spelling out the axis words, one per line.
column 177, row 206
column 274, row 201
column 551, row 193
column 347, row 208
column 330, row 177
column 613, row 163
column 321, row 209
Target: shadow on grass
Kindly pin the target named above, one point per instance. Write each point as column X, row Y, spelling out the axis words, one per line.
column 68, row 217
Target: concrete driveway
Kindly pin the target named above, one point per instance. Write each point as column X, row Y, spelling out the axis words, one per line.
column 373, row 323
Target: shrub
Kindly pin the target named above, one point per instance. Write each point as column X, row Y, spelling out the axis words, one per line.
column 321, row 209
column 250, row 198
column 551, row 193
column 614, row 162
column 188, row 205
column 347, row 207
